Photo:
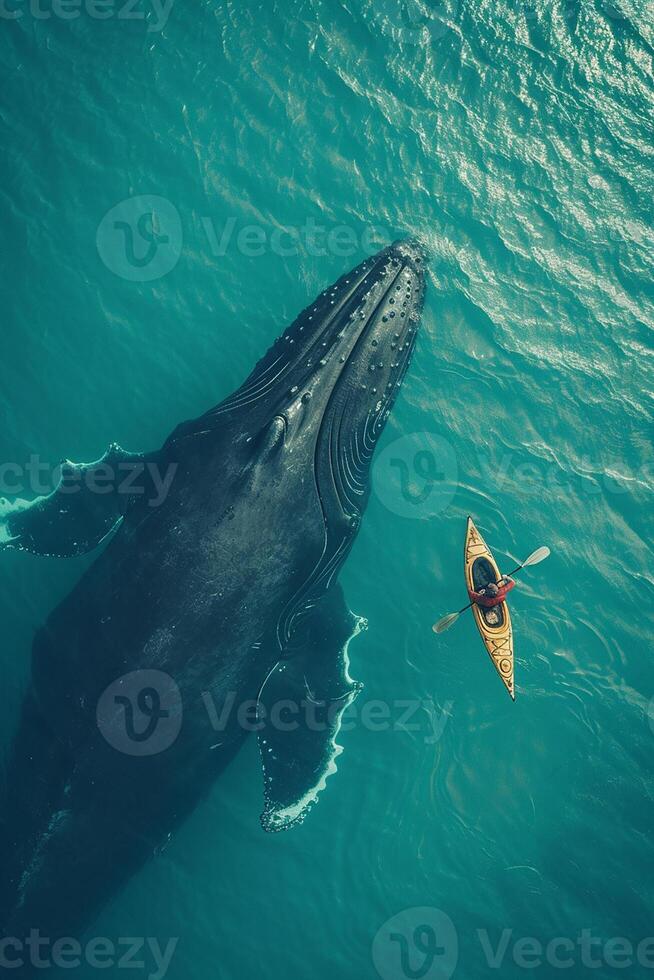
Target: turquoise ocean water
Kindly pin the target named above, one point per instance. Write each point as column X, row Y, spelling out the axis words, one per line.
column 276, row 144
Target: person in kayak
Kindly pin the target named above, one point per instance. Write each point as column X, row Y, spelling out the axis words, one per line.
column 493, row 594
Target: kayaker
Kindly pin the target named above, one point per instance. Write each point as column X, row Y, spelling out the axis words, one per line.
column 493, row 594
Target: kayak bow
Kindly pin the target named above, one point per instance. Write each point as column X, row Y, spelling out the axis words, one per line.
column 480, row 569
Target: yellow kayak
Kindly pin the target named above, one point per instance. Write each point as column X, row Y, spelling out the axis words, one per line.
column 493, row 624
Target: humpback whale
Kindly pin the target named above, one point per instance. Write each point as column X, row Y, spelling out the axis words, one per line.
column 212, row 610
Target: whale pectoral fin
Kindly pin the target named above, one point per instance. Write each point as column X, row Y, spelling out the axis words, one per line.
column 301, row 708
column 89, row 501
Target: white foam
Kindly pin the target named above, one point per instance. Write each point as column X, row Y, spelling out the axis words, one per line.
column 280, row 819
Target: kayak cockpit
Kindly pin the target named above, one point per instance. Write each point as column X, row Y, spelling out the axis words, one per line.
column 483, row 572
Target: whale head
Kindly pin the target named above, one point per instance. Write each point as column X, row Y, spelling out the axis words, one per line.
column 327, row 385
column 353, row 347
column 306, row 421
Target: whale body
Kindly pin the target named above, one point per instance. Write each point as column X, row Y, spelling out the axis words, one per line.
column 213, row 610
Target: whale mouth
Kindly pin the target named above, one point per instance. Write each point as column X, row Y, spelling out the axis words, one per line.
column 388, row 314
column 385, row 318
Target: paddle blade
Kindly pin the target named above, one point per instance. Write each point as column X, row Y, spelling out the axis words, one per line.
column 445, row 623
column 539, row 555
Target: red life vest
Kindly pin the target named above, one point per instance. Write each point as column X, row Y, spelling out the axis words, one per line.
column 489, row 601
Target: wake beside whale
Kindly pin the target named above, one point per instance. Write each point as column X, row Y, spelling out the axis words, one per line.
column 226, row 586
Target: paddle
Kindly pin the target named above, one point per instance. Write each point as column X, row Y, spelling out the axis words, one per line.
column 540, row 554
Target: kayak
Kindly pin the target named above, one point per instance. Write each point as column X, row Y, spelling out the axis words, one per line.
column 494, row 624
